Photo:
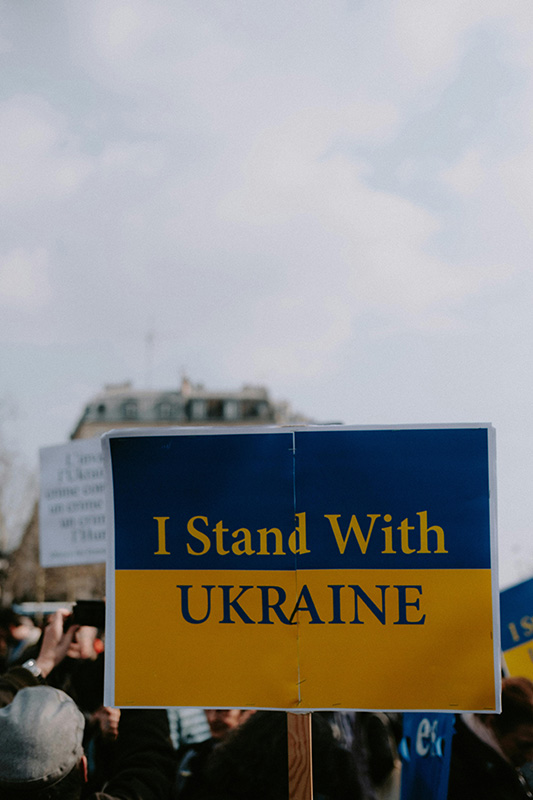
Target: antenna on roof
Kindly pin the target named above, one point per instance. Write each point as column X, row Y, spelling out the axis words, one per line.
column 149, row 357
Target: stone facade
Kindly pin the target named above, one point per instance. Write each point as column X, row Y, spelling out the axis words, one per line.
column 121, row 406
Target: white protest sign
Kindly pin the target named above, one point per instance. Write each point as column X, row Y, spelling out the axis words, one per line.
column 72, row 504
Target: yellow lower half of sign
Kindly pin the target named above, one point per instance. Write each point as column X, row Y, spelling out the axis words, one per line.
column 367, row 639
column 519, row 660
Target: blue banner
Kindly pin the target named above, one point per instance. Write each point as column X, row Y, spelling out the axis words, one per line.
column 426, row 749
column 516, row 612
column 516, row 615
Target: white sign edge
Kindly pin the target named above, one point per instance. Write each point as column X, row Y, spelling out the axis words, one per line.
column 109, row 682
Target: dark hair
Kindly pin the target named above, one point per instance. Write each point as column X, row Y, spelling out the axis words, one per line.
column 68, row 788
column 517, row 704
column 252, row 762
column 9, row 618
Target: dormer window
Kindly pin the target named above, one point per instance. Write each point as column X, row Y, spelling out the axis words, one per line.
column 129, row 409
column 198, row 409
column 262, row 410
column 231, row 409
column 215, row 409
column 164, row 410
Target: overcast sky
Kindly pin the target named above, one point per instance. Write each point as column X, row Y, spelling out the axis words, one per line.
column 333, row 199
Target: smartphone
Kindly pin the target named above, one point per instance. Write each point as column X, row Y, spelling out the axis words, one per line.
column 87, row 612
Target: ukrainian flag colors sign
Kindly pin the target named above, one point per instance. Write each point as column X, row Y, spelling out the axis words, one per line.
column 323, row 567
column 516, row 608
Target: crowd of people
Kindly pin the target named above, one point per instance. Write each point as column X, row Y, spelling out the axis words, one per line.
column 59, row 742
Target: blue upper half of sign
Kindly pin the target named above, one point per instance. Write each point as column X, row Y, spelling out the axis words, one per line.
column 363, row 499
column 516, row 614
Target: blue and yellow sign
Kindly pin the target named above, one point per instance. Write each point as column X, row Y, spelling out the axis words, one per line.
column 516, row 612
column 306, row 568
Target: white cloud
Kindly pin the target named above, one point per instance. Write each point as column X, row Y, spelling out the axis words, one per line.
column 332, row 198
column 24, row 284
column 41, row 159
column 140, row 46
column 5, row 45
column 468, row 174
column 431, row 35
column 516, row 186
column 379, row 249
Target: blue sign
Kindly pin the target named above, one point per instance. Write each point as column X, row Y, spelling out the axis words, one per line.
column 426, row 749
column 369, row 499
column 516, row 614
column 516, row 611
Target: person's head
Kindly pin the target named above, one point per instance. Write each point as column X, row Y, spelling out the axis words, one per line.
column 252, row 761
column 41, row 753
column 10, row 622
column 513, row 728
column 223, row 720
column 24, row 628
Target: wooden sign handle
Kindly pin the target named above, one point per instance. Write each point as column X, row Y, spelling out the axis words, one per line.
column 300, row 756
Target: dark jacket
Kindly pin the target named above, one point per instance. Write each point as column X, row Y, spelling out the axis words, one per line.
column 477, row 772
column 144, row 758
column 252, row 763
column 192, row 763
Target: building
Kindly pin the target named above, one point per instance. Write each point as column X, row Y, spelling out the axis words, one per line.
column 121, row 406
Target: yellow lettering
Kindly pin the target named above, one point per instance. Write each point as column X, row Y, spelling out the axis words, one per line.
column 355, row 527
column 263, row 550
column 161, row 537
column 220, row 531
column 514, row 632
column 298, row 538
column 424, row 530
column 202, row 537
column 388, row 536
column 243, row 546
column 404, row 529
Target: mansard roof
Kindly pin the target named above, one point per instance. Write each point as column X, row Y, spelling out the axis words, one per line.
column 122, row 404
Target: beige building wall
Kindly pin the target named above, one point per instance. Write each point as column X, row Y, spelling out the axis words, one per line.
column 120, row 406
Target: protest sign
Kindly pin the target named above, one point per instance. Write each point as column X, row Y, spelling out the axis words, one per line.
column 72, row 526
column 326, row 567
column 426, row 749
column 516, row 611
